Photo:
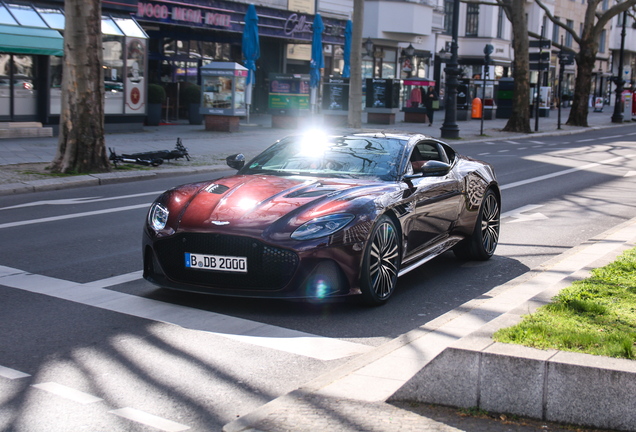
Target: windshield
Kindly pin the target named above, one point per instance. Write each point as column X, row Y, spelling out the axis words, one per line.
column 321, row 156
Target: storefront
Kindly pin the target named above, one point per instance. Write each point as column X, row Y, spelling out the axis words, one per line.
column 31, row 50
column 185, row 37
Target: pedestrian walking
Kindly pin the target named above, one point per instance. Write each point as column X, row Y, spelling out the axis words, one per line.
column 429, row 100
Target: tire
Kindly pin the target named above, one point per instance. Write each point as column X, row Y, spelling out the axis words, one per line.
column 482, row 243
column 381, row 263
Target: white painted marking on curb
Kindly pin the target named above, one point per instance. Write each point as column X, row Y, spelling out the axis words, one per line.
column 12, row 373
column 149, row 420
column 67, row 392
column 73, row 216
column 242, row 330
column 564, row 172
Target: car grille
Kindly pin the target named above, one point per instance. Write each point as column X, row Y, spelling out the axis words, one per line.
column 268, row 268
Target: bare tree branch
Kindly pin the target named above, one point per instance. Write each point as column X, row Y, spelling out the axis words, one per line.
column 559, row 23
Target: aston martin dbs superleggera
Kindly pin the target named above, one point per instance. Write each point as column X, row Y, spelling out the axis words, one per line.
column 317, row 216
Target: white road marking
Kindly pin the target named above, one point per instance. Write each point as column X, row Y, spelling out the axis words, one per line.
column 586, row 140
column 489, row 142
column 564, row 172
column 517, row 212
column 630, row 174
column 522, row 148
column 633, row 133
column 512, row 142
column 483, row 154
column 537, row 142
column 85, row 200
column 73, row 216
column 503, row 151
column 12, row 373
column 252, row 332
column 67, row 392
column 613, row 136
column 149, row 420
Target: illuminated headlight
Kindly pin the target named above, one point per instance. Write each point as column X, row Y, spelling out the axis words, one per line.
column 322, row 226
column 157, row 217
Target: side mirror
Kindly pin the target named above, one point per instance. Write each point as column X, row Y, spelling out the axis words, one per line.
column 236, row 161
column 429, row 168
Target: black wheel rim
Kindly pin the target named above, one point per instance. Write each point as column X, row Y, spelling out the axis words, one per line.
column 383, row 260
column 490, row 224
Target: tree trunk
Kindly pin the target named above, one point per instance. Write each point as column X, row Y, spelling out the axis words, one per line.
column 519, row 120
column 582, row 85
column 355, row 62
column 81, row 146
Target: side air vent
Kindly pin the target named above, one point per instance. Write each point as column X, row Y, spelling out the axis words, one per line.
column 217, row 189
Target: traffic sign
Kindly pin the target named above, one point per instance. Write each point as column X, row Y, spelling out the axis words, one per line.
column 541, row 43
column 566, row 57
column 540, row 56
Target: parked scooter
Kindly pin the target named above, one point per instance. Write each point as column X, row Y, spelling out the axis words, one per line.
column 151, row 158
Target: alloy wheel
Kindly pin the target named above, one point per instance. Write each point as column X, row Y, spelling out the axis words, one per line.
column 490, row 224
column 383, row 260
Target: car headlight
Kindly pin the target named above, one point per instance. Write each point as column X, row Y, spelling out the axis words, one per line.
column 158, row 217
column 322, row 226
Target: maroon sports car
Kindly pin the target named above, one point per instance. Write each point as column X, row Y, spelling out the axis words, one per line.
column 317, row 216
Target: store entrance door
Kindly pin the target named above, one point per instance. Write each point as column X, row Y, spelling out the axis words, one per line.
column 18, row 93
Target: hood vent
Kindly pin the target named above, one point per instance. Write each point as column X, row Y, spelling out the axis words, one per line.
column 217, row 189
column 304, row 193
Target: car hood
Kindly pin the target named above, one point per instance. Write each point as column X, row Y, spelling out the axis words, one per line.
column 253, row 203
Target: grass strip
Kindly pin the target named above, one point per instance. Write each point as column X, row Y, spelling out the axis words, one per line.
column 595, row 316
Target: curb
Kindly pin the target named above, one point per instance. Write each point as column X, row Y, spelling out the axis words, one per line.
column 101, row 179
column 550, row 385
column 479, row 347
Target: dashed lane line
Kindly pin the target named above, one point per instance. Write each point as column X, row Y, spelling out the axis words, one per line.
column 67, row 393
column 564, row 172
column 73, row 216
column 12, row 374
column 537, row 142
column 242, row 330
column 149, row 420
column 587, row 140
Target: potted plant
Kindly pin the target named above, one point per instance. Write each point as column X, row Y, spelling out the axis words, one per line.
column 156, row 98
column 192, row 96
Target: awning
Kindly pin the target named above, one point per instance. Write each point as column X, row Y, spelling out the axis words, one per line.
column 30, row 40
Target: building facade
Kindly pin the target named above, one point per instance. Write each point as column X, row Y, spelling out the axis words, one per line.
column 31, row 50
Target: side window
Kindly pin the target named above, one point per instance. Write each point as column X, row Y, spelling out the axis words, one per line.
column 428, row 151
column 449, row 153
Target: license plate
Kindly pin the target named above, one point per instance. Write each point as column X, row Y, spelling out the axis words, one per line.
column 216, row 262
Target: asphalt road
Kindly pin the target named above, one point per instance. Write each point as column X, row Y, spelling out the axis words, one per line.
column 152, row 359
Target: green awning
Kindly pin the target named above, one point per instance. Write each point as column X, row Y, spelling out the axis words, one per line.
column 30, row 40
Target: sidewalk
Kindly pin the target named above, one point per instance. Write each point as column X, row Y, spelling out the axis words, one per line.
column 213, row 147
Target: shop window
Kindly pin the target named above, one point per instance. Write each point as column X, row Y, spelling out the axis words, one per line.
column 389, row 64
column 5, row 16
column 182, row 47
column 194, row 49
column 26, row 15
column 53, row 17
column 109, row 27
column 169, row 47
column 213, row 51
column 113, row 74
column 472, row 20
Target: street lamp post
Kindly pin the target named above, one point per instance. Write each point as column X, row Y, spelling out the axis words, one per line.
column 449, row 128
column 617, row 117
